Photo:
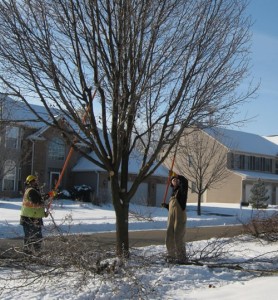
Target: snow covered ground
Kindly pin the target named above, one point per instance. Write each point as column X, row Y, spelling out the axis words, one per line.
column 156, row 280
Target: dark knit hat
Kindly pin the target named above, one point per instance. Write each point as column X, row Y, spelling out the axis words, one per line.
column 175, row 176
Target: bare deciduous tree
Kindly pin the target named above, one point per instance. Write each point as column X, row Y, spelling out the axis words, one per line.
column 158, row 66
column 263, row 225
column 203, row 160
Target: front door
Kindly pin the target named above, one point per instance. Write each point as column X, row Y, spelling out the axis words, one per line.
column 54, row 176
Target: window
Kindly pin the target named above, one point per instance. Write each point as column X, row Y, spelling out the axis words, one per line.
column 19, row 182
column 253, row 163
column 54, row 177
column 276, row 166
column 12, row 135
column 258, row 164
column 190, row 161
column 232, row 160
column 236, row 161
column 242, row 162
column 193, row 187
column 9, row 176
column 56, row 149
column 268, row 165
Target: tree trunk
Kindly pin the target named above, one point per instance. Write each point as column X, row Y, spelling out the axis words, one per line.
column 121, row 206
column 122, row 240
column 199, row 204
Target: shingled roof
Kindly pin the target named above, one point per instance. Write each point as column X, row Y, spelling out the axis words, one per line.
column 243, row 142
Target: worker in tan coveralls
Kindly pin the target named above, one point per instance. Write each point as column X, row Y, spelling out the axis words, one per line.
column 175, row 242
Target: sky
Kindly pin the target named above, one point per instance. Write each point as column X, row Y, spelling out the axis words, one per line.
column 264, row 56
column 262, row 110
column 146, row 268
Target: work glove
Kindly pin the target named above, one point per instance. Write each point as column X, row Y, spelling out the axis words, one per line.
column 52, row 194
column 165, row 205
column 45, row 197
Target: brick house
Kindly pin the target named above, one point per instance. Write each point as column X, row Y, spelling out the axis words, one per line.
column 30, row 147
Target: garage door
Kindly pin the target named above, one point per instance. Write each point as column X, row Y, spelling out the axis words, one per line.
column 141, row 195
column 248, row 188
column 269, row 189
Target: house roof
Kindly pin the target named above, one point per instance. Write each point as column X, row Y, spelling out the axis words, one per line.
column 256, row 175
column 243, row 142
column 38, row 134
column 19, row 112
column 232, row 139
column 84, row 165
column 22, row 114
column 272, row 138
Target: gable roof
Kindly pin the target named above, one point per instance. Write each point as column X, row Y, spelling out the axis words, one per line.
column 249, row 175
column 243, row 142
column 84, row 165
column 18, row 112
column 272, row 138
column 21, row 114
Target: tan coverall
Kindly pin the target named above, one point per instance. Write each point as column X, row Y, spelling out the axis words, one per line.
column 175, row 243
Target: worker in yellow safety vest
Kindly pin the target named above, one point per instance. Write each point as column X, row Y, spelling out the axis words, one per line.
column 32, row 212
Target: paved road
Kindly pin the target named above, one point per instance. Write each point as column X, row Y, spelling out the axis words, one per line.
column 157, row 237
column 138, row 238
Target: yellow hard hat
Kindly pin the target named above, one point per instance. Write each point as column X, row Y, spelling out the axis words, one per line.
column 172, row 174
column 30, row 178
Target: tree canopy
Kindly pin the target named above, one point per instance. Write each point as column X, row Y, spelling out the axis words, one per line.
column 158, row 67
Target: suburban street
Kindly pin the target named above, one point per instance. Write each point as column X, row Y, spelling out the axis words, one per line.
column 157, row 237
column 136, row 238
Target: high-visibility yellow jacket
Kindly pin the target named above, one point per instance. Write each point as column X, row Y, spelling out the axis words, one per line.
column 32, row 207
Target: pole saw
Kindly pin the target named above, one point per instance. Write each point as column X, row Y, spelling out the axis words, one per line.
column 170, row 173
column 52, row 194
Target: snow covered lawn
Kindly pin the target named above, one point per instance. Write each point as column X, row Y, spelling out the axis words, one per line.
column 146, row 275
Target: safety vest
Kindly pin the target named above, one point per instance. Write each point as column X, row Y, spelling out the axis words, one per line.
column 30, row 209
